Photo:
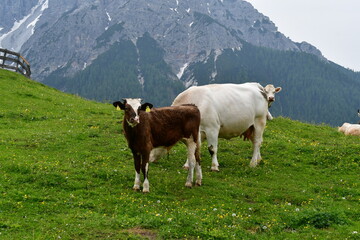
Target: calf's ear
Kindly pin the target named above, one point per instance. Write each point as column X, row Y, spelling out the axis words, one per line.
column 278, row 89
column 145, row 105
column 119, row 104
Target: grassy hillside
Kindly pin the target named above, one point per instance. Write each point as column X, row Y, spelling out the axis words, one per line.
column 66, row 173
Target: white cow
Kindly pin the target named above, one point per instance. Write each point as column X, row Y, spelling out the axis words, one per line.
column 350, row 129
column 231, row 110
column 270, row 91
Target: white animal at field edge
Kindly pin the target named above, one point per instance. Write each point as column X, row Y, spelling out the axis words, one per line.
column 230, row 110
column 350, row 129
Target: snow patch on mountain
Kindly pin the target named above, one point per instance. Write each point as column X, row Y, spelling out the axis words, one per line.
column 23, row 29
column 33, row 24
column 109, row 17
column 182, row 69
column 174, row 10
column 191, row 81
column 218, row 52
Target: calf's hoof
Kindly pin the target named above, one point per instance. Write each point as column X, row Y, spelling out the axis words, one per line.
column 136, row 188
column 188, row 185
column 186, row 167
column 145, row 190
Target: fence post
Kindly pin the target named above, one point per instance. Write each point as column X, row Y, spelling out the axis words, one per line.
column 17, row 65
column 22, row 66
column 3, row 61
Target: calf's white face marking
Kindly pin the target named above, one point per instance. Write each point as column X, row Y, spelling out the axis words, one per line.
column 135, row 103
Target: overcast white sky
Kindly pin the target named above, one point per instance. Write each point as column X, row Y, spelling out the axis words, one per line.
column 330, row 25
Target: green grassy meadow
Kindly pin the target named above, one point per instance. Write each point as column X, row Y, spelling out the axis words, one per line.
column 66, row 173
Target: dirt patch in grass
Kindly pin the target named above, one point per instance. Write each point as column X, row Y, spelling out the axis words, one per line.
column 144, row 233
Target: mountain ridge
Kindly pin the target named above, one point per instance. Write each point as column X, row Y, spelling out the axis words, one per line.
column 196, row 42
column 176, row 25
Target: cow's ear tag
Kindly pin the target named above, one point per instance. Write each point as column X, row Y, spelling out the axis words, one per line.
column 147, row 109
column 118, row 108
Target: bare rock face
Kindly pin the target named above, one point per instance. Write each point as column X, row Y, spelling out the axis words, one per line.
column 72, row 33
column 308, row 48
column 12, row 11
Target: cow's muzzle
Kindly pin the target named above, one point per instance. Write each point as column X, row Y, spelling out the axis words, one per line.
column 133, row 121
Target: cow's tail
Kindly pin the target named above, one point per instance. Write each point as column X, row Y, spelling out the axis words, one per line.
column 197, row 140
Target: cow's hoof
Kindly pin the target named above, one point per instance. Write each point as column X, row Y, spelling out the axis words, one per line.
column 186, row 167
column 136, row 188
column 153, row 160
column 145, row 190
column 198, row 183
column 253, row 164
column 215, row 169
column 188, row 185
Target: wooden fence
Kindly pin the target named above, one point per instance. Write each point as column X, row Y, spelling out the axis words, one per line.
column 14, row 61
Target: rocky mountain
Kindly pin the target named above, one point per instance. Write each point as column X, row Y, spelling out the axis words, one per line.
column 18, row 21
column 77, row 31
column 106, row 49
column 12, row 11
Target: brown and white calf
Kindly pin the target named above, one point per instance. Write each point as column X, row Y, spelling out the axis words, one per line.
column 146, row 130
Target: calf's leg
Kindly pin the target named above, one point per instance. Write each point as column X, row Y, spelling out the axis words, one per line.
column 191, row 148
column 137, row 163
column 186, row 165
column 145, row 170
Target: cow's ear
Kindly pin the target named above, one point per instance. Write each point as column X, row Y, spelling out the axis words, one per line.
column 119, row 104
column 278, row 89
column 146, row 106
